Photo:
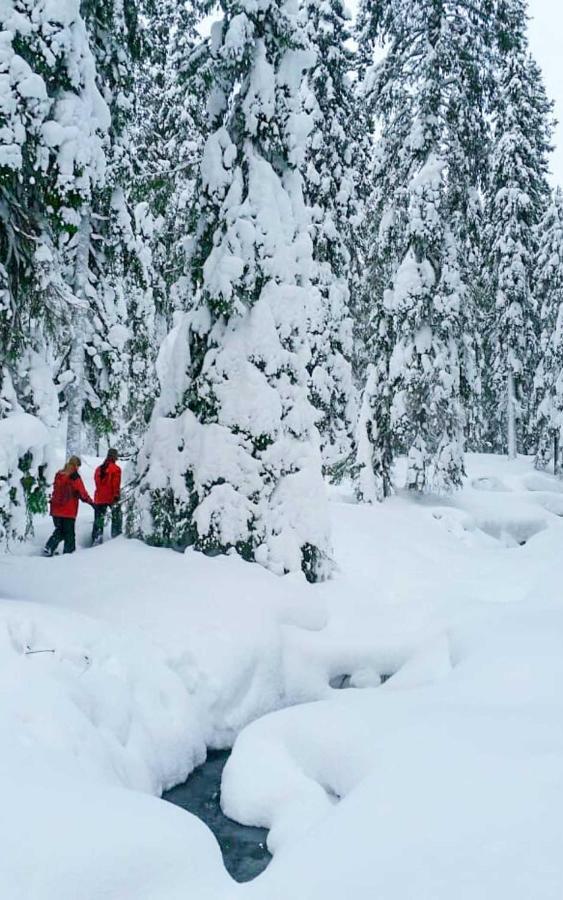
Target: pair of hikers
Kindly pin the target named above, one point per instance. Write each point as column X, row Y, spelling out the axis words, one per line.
column 68, row 489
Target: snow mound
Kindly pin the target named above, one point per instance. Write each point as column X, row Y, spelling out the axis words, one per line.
column 512, row 532
column 457, row 522
column 541, row 482
column 108, row 692
column 445, row 789
column 86, row 711
column 432, row 662
column 553, row 503
column 489, row 483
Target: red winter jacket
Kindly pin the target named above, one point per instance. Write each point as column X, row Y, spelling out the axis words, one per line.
column 67, row 491
column 108, row 483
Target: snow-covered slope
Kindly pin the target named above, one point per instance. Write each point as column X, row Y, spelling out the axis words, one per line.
column 444, row 782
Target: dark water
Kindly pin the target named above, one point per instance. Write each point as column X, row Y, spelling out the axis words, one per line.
column 244, row 849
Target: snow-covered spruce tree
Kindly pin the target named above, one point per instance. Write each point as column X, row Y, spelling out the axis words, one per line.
column 117, row 334
column 232, row 458
column 80, row 164
column 335, row 156
column 518, row 193
column 429, row 97
column 374, row 338
column 35, row 179
column 176, row 110
column 382, row 241
column 548, row 291
column 155, row 148
column 51, row 124
column 469, row 137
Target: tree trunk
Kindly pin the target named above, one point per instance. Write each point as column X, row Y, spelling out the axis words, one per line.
column 511, row 417
column 75, row 393
column 556, row 454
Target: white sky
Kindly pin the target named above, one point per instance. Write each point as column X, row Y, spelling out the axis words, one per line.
column 546, row 30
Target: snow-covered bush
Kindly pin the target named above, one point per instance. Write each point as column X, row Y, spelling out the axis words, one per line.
column 25, row 467
column 26, row 446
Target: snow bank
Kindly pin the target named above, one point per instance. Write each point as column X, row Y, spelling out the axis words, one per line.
column 447, row 780
column 64, row 839
column 97, row 703
column 86, row 711
column 453, row 764
column 25, row 452
column 451, row 790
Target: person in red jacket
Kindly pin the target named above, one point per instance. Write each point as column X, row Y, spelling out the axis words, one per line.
column 68, row 489
column 108, row 489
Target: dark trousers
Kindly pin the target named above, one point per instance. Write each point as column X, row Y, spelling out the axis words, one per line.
column 100, row 518
column 64, row 531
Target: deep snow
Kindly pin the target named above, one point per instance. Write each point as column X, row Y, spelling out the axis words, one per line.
column 445, row 782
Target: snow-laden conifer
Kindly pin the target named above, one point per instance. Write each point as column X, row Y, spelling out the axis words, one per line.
column 548, row 291
column 232, row 457
column 175, row 141
column 382, row 243
column 428, row 93
column 53, row 121
column 119, row 329
column 335, row 157
column 518, row 194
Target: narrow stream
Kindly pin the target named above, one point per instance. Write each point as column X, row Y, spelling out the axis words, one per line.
column 243, row 848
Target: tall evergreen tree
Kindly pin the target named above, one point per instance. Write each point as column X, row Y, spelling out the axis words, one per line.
column 429, row 94
column 118, row 330
column 518, row 193
column 175, row 145
column 548, row 291
column 53, row 121
column 383, row 240
column 232, row 458
column 52, row 126
column 335, row 156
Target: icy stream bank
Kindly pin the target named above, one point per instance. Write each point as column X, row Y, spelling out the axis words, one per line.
column 244, row 848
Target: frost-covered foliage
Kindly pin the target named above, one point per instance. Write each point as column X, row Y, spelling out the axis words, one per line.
column 518, row 195
column 52, row 121
column 118, row 337
column 335, row 157
column 176, row 111
column 143, row 216
column 232, row 457
column 25, row 458
column 52, row 125
column 548, row 292
column 382, row 242
column 427, row 93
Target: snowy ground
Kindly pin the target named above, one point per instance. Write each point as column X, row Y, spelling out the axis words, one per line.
column 444, row 783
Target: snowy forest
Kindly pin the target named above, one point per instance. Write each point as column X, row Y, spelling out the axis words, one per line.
column 284, row 281
column 262, row 244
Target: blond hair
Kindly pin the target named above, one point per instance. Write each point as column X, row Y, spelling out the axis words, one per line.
column 74, row 462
